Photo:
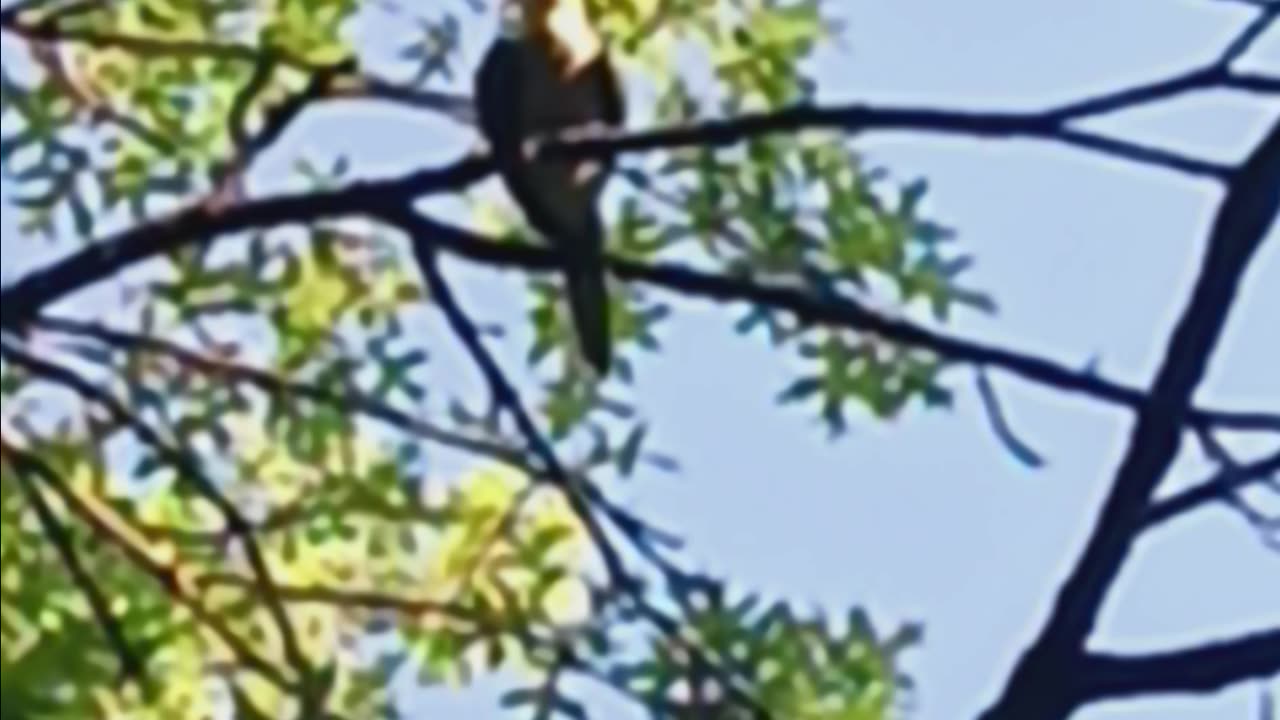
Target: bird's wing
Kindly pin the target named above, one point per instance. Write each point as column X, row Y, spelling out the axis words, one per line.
column 556, row 196
column 612, row 101
column 498, row 101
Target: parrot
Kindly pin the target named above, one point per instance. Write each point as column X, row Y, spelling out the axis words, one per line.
column 547, row 75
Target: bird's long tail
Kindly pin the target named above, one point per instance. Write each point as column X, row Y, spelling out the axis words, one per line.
column 589, row 297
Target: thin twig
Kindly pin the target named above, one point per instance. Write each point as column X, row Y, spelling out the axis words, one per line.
column 279, row 387
column 277, row 119
column 1026, row 454
column 141, row 44
column 458, row 108
column 348, row 400
column 132, row 666
column 348, row 598
column 1215, row 73
column 575, row 490
column 508, row 397
column 187, row 469
column 1249, row 37
column 1223, row 485
column 166, row 576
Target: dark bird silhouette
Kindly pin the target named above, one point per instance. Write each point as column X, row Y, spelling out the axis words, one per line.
column 548, row 75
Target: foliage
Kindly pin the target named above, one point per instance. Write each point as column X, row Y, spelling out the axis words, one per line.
column 260, row 512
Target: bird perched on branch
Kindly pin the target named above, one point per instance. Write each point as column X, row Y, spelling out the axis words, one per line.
column 548, row 75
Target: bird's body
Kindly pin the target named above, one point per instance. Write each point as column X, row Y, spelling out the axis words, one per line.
column 548, row 73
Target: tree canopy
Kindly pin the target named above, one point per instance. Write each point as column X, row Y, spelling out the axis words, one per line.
column 238, row 478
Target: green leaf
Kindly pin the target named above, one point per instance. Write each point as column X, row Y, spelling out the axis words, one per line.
column 630, row 450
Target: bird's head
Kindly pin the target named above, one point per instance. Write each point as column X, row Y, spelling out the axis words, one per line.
column 564, row 25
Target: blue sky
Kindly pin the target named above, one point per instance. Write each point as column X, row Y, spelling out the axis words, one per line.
column 926, row 518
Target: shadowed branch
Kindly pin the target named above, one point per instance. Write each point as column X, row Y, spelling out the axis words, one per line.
column 188, row 470
column 1204, row 669
column 506, row 396
column 1222, row 486
column 814, row 310
column 1244, row 219
column 168, row 577
column 132, row 666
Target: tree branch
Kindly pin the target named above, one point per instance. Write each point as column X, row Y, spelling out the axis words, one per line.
column 350, row 598
column 276, row 120
column 853, row 118
column 348, row 400
column 23, row 300
column 575, row 490
column 45, row 31
column 1244, row 219
column 1249, row 37
column 207, row 220
column 839, row 312
column 189, row 471
column 1216, row 73
column 1256, row 82
column 859, row 118
column 132, row 666
column 204, row 221
column 1204, row 669
column 1221, row 486
column 109, row 530
column 458, row 108
column 276, row 386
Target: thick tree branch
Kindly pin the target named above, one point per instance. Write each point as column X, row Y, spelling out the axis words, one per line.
column 1204, row 669
column 1256, row 82
column 1246, row 214
column 29, row 296
column 205, row 221
column 816, row 310
column 23, row 300
column 1037, row 688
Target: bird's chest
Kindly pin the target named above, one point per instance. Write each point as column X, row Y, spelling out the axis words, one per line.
column 554, row 100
